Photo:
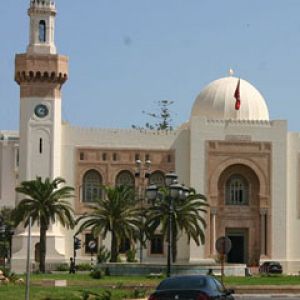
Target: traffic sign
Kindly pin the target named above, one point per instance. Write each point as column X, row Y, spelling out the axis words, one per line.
column 92, row 245
column 223, row 245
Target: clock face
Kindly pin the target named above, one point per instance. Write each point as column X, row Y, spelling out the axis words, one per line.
column 41, row 110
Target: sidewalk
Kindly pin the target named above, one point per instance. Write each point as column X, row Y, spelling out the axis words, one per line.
column 266, row 289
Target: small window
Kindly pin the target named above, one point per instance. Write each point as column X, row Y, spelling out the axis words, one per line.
column 42, row 31
column 136, row 157
column 147, row 157
column 236, row 190
column 41, row 146
column 169, row 158
column 87, row 239
column 104, row 156
column 157, row 243
column 81, row 156
column 115, row 157
column 17, row 158
column 124, row 245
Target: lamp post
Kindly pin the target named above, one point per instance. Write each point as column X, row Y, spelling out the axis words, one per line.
column 175, row 191
column 143, row 171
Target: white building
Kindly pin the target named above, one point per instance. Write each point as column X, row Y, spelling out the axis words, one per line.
column 247, row 165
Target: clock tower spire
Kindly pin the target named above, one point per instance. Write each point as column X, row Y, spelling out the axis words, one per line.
column 42, row 25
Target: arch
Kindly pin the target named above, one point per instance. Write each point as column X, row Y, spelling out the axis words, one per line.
column 125, row 177
column 46, row 74
column 237, row 216
column 243, row 182
column 42, row 31
column 157, row 178
column 214, row 178
column 91, row 186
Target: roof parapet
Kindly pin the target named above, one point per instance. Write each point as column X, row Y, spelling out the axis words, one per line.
column 42, row 3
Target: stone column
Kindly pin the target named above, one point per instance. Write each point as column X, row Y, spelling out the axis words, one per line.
column 213, row 213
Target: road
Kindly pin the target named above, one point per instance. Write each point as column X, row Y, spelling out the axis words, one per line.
column 267, row 297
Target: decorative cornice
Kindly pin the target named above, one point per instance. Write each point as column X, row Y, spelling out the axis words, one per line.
column 41, row 69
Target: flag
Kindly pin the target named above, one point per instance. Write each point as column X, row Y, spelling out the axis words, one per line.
column 237, row 96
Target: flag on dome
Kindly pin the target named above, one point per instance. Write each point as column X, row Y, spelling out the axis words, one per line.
column 237, row 96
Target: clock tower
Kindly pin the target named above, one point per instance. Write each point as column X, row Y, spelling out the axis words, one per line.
column 40, row 72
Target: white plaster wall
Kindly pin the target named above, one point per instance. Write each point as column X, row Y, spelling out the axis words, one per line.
column 274, row 132
column 293, row 204
column 30, row 128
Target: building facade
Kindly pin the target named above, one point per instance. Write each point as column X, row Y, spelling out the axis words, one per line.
column 246, row 165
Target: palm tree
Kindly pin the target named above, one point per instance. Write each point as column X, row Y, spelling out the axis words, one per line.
column 114, row 212
column 45, row 203
column 186, row 216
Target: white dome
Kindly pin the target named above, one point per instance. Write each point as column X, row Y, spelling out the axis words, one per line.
column 217, row 102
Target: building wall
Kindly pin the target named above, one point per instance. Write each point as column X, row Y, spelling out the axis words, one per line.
column 8, row 168
column 274, row 132
column 293, row 204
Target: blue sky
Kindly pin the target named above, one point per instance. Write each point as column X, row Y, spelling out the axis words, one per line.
column 125, row 55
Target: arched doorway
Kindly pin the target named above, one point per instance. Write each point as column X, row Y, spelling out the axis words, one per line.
column 238, row 213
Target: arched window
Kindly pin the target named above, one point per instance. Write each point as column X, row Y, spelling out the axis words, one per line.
column 157, row 178
column 42, row 31
column 237, row 191
column 92, row 182
column 125, row 178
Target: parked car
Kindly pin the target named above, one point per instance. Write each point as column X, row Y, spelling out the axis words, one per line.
column 270, row 267
column 192, row 287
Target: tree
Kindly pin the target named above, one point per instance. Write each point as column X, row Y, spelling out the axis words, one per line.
column 115, row 212
column 163, row 116
column 186, row 216
column 45, row 202
column 6, row 219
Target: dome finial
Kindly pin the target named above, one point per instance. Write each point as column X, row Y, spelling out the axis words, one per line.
column 230, row 72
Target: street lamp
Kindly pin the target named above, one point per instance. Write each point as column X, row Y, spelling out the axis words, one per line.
column 175, row 191
column 143, row 171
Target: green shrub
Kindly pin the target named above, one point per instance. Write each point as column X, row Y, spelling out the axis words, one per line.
column 13, row 277
column 106, row 295
column 103, row 255
column 130, row 255
column 62, row 267
column 97, row 273
column 139, row 293
column 83, row 267
column 6, row 271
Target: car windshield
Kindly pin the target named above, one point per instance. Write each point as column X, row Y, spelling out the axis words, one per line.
column 179, row 283
column 274, row 264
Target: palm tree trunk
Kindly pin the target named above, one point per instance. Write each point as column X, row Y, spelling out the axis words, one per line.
column 113, row 248
column 43, row 231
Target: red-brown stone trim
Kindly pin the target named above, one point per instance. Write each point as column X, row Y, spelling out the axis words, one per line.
column 109, row 169
column 41, row 68
column 253, row 161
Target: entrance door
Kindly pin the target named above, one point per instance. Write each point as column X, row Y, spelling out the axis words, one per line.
column 239, row 242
